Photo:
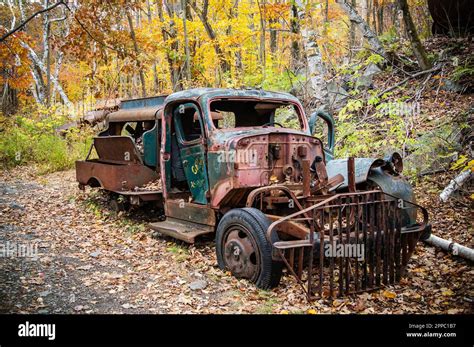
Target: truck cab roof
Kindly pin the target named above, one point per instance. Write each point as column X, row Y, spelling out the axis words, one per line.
column 208, row 93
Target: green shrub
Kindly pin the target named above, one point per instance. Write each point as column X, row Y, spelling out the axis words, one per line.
column 30, row 137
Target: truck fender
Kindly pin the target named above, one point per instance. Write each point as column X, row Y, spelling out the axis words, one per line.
column 371, row 171
column 362, row 169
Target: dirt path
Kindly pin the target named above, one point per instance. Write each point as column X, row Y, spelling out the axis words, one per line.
column 91, row 260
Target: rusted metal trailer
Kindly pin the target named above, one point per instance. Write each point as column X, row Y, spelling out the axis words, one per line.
column 244, row 165
column 127, row 156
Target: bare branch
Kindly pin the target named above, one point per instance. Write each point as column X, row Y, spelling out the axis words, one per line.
column 21, row 25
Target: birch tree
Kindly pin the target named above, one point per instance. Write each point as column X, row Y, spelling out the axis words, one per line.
column 40, row 64
column 316, row 69
column 364, row 28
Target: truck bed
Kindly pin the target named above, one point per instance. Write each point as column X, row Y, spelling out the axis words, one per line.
column 116, row 177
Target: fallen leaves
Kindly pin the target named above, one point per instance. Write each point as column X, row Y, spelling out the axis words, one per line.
column 112, row 265
column 127, row 306
column 447, row 292
column 389, row 295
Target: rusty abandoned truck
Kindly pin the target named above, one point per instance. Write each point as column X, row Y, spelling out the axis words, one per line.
column 244, row 165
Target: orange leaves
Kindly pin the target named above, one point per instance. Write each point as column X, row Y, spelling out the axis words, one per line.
column 275, row 11
column 14, row 62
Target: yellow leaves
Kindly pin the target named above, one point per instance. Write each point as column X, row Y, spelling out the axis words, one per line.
column 311, row 311
column 447, row 292
column 471, row 165
column 389, row 295
column 419, row 270
column 463, row 162
column 284, row 312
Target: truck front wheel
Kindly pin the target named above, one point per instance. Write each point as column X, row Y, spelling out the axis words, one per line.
column 243, row 249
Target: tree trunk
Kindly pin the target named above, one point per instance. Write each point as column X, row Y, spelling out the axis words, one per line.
column 137, row 52
column 368, row 7
column 454, row 184
column 273, row 39
column 47, row 53
column 203, row 16
column 316, row 69
column 57, row 69
column 326, row 12
column 238, row 66
column 9, row 101
column 418, row 48
column 451, row 247
column 174, row 70
column 39, row 86
column 187, row 65
column 352, row 32
column 38, row 65
column 263, row 58
column 155, row 71
column 368, row 33
column 374, row 15
column 295, row 45
column 380, row 24
column 273, row 35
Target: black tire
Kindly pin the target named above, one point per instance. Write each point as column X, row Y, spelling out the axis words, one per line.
column 118, row 203
column 254, row 224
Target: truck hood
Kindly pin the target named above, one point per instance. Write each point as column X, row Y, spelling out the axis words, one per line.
column 228, row 137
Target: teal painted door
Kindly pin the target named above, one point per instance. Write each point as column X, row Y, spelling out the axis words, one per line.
column 189, row 133
column 194, row 164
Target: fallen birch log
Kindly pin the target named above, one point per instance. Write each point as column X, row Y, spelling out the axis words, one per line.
column 451, row 247
column 454, row 185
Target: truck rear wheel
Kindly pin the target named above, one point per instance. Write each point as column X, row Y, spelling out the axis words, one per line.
column 243, row 249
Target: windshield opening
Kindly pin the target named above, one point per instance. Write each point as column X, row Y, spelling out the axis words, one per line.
column 230, row 114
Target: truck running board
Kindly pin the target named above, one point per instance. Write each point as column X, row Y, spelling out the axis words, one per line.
column 181, row 230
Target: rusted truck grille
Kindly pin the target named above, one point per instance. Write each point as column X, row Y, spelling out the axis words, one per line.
column 358, row 243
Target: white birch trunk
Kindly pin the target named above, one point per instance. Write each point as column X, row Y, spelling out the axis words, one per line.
column 451, row 247
column 455, row 184
column 364, row 28
column 36, row 60
column 316, row 69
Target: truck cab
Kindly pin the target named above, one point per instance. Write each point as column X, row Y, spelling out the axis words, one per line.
column 218, row 145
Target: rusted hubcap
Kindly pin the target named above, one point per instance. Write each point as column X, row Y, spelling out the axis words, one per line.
column 241, row 253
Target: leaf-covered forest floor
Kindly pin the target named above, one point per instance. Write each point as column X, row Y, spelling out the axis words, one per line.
column 93, row 260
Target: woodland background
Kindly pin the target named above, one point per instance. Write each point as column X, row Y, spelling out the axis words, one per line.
column 372, row 63
column 364, row 60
